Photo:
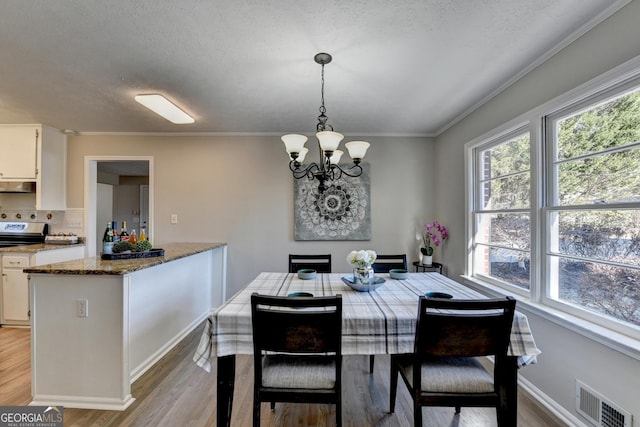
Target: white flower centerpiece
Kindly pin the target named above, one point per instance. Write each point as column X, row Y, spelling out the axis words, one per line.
column 361, row 261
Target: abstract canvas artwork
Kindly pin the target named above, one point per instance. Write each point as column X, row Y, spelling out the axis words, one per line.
column 342, row 212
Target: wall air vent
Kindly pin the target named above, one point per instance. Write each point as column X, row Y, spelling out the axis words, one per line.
column 598, row 410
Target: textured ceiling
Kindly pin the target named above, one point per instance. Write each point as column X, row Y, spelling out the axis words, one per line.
column 401, row 67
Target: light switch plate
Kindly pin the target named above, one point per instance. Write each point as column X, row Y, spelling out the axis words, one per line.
column 82, row 308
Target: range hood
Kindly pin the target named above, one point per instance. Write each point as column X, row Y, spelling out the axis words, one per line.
column 17, row 187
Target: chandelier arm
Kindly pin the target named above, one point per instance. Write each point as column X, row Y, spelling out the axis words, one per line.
column 356, row 173
column 298, row 173
column 333, row 169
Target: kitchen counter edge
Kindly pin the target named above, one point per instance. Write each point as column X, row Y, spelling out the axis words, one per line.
column 98, row 266
column 37, row 247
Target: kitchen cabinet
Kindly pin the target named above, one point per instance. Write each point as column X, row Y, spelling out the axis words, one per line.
column 36, row 153
column 15, row 283
column 18, row 145
column 15, row 290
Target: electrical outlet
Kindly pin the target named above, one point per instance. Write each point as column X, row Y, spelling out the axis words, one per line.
column 174, row 218
column 82, row 308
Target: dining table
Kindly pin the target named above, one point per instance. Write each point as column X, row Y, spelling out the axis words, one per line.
column 381, row 321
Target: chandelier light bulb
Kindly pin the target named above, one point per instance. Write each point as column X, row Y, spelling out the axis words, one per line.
column 335, row 159
column 293, row 142
column 302, row 155
column 329, row 140
column 357, row 149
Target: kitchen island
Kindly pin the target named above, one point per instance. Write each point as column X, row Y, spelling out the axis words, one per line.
column 97, row 326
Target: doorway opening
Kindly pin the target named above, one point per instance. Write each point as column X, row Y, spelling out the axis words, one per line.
column 117, row 188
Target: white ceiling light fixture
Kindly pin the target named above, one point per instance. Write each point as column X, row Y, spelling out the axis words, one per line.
column 165, row 108
column 327, row 169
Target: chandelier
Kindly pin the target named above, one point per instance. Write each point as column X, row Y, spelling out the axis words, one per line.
column 327, row 169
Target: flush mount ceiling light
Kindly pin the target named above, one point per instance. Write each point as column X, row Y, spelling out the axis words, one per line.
column 328, row 140
column 165, row 108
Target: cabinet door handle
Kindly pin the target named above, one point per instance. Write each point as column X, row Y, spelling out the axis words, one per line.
column 14, row 262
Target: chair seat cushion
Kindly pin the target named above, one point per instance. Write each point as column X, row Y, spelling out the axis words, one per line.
column 310, row 372
column 450, row 375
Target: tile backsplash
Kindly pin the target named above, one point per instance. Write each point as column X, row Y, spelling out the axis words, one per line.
column 21, row 207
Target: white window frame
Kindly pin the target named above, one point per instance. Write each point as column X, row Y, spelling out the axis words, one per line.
column 550, row 207
column 504, row 136
column 605, row 330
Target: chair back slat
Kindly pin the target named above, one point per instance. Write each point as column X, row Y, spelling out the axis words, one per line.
column 384, row 263
column 453, row 328
column 320, row 263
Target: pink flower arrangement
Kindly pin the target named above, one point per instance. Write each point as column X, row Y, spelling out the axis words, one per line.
column 434, row 234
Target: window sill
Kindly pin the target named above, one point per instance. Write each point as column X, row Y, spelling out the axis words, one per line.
column 611, row 339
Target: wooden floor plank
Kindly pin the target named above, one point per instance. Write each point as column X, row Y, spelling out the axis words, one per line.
column 175, row 392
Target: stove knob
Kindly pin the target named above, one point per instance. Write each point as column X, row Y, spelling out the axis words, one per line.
column 18, row 215
column 33, row 216
column 3, row 216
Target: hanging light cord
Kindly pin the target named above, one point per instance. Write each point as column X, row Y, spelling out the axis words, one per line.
column 322, row 118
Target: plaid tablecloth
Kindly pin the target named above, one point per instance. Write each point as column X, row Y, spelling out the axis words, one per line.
column 378, row 322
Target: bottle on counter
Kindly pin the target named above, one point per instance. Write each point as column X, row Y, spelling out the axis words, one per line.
column 143, row 234
column 116, row 236
column 107, row 240
column 132, row 237
column 124, row 235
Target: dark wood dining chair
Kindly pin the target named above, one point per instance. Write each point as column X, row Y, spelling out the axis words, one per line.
column 297, row 354
column 383, row 264
column 319, row 263
column 444, row 369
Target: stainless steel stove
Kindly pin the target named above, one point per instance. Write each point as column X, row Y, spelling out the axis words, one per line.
column 14, row 233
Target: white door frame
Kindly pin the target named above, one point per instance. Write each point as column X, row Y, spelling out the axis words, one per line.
column 91, row 190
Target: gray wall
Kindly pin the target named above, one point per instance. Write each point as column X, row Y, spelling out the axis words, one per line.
column 239, row 190
column 566, row 355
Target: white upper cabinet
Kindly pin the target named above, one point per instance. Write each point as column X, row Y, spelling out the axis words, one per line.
column 36, row 153
column 18, row 145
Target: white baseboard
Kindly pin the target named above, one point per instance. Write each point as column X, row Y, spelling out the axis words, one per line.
column 83, row 402
column 551, row 405
column 155, row 357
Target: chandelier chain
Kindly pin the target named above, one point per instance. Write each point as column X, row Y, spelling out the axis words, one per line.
column 322, row 118
column 323, row 110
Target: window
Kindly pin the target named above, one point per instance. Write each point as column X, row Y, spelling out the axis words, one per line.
column 583, row 229
column 594, row 206
column 502, row 218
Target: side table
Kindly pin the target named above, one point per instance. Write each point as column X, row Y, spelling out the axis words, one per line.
column 436, row 266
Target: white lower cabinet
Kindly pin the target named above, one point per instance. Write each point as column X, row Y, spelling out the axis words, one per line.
column 15, row 290
column 15, row 310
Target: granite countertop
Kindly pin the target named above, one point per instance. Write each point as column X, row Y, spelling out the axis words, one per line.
column 38, row 247
column 97, row 266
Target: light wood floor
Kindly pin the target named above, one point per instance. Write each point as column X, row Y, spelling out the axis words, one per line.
column 175, row 392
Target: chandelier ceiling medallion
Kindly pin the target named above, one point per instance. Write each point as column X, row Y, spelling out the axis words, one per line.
column 327, row 169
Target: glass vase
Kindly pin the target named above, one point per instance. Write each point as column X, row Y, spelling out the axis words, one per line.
column 363, row 275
